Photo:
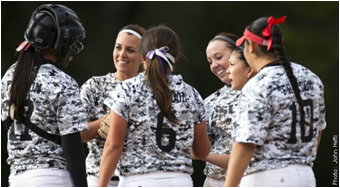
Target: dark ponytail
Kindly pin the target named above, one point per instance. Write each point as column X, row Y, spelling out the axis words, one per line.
column 28, row 64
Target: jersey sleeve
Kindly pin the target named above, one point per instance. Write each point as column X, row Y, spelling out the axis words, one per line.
column 5, row 88
column 321, row 111
column 88, row 95
column 117, row 101
column 253, row 120
column 200, row 112
column 71, row 113
column 209, row 103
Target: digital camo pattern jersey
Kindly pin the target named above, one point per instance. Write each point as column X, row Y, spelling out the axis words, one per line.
column 152, row 143
column 220, row 111
column 269, row 117
column 93, row 93
column 57, row 110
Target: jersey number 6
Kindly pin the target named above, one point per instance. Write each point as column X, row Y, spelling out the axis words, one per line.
column 165, row 137
column 308, row 138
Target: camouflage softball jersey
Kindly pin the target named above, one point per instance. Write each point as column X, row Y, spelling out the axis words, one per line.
column 269, row 117
column 152, row 143
column 220, row 111
column 93, row 93
column 57, row 110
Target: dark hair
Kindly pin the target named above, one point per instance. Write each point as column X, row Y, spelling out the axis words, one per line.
column 140, row 30
column 239, row 50
column 39, row 30
column 277, row 47
column 26, row 69
column 155, row 38
column 229, row 45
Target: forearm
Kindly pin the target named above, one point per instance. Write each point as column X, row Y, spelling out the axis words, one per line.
column 221, row 161
column 319, row 139
column 75, row 157
column 113, row 148
column 239, row 160
column 108, row 164
column 92, row 132
column 201, row 144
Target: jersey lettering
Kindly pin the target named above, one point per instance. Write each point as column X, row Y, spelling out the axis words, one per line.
column 37, row 87
column 178, row 97
column 21, row 135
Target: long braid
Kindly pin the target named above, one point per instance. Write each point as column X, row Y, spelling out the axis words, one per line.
column 280, row 52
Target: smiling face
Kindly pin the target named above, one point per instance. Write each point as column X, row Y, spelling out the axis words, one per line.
column 126, row 57
column 218, row 57
column 239, row 73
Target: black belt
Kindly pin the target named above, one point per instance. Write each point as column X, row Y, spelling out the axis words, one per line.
column 114, row 178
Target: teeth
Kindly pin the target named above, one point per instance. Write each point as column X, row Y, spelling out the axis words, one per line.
column 122, row 62
column 220, row 72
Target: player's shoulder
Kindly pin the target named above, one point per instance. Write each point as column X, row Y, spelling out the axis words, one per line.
column 223, row 90
column 180, row 84
column 302, row 71
column 55, row 77
column 135, row 81
column 101, row 78
column 177, row 84
column 9, row 72
column 51, row 70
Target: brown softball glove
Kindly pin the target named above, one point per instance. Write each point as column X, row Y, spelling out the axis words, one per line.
column 104, row 126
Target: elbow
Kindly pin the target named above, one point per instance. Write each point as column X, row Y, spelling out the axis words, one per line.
column 111, row 147
column 111, row 150
column 202, row 151
column 84, row 137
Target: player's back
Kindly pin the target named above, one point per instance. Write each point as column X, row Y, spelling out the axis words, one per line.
column 153, row 143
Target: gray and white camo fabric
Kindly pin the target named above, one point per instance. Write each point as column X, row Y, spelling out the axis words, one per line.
column 269, row 117
column 93, row 93
column 220, row 111
column 152, row 143
column 57, row 110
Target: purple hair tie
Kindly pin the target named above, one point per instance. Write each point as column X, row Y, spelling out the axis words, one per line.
column 162, row 53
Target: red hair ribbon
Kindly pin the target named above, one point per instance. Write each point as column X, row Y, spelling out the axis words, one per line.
column 25, row 44
column 266, row 32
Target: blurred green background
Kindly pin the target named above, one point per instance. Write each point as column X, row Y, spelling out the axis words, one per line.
column 311, row 33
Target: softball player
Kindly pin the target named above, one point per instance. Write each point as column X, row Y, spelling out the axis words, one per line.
column 47, row 98
column 157, row 119
column 275, row 144
column 219, row 107
column 239, row 70
column 94, row 91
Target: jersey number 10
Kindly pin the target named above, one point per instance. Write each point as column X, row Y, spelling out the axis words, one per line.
column 308, row 138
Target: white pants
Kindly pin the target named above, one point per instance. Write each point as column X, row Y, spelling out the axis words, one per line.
column 41, row 178
column 92, row 181
column 209, row 182
column 295, row 175
column 157, row 179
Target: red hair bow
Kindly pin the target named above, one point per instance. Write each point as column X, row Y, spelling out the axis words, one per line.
column 266, row 31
